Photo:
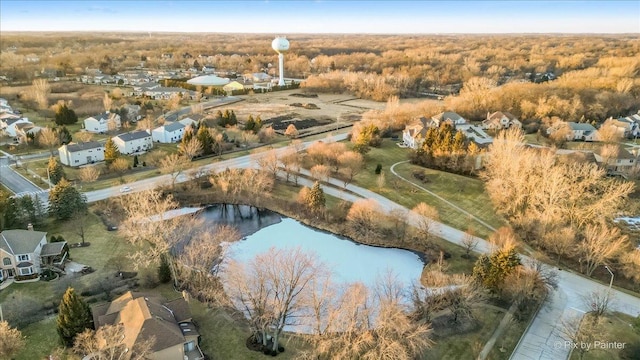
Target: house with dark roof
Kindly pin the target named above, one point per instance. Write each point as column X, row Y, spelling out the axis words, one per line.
column 575, row 131
column 616, row 160
column 25, row 253
column 133, row 142
column 413, row 135
column 168, row 133
column 78, row 154
column 500, row 120
column 147, row 317
column 102, row 123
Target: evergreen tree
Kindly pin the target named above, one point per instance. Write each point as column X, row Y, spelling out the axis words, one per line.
column 164, row 271
column 233, row 120
column 111, row 151
column 315, row 199
column 258, row 124
column 65, row 201
column 378, row 169
column 27, row 210
column 135, row 161
column 74, row 317
column 55, row 171
column 250, row 124
column 491, row 270
column 65, row 116
column 205, row 138
column 64, row 136
column 9, row 212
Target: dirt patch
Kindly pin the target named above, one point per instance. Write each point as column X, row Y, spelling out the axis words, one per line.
column 304, row 95
column 280, row 123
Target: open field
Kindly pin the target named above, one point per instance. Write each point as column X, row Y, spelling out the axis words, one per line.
column 465, row 192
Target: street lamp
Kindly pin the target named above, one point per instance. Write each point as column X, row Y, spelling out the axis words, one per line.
column 48, row 178
column 610, row 282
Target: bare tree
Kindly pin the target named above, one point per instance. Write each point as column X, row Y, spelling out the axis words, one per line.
column 469, row 243
column 352, row 163
column 320, row 172
column 119, row 166
column 426, row 221
column 560, row 241
column 191, row 148
column 83, row 136
column 291, row 132
column 89, row 174
column 270, row 293
column 268, row 162
column 109, row 342
column 48, row 138
column 40, row 91
column 363, row 215
column 291, row 164
column 600, row 244
column 609, row 132
column 107, row 102
column 577, row 331
column 11, row 340
column 598, row 303
column 173, row 164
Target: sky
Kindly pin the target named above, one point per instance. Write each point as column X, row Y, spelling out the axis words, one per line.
column 322, row 16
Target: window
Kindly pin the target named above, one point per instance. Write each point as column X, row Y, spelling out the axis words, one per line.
column 6, row 261
column 23, row 257
column 26, row 271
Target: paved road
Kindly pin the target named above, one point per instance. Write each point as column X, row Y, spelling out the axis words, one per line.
column 14, row 181
column 542, row 338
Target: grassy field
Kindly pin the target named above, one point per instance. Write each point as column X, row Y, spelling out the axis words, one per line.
column 42, row 340
column 465, row 192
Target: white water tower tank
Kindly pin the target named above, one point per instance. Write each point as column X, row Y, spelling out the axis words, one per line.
column 280, row 45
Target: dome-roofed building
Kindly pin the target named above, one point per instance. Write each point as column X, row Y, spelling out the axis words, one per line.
column 208, row 80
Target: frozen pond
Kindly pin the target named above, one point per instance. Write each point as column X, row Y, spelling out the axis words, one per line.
column 349, row 261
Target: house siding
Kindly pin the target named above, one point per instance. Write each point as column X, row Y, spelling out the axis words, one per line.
column 82, row 157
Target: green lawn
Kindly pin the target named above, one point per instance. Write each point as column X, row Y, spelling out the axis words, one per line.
column 467, row 345
column 42, row 340
column 465, row 192
column 614, row 327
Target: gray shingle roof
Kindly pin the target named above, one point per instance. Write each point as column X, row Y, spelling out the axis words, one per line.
column 141, row 134
column 581, row 126
column 173, row 126
column 20, row 241
column 52, row 249
column 73, row 147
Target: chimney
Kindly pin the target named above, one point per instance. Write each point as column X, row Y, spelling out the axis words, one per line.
column 30, row 227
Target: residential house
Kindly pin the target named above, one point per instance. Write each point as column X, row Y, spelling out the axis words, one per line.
column 448, row 116
column 25, row 252
column 193, row 120
column 133, row 112
column 102, row 123
column 4, row 102
column 257, row 77
column 165, row 93
column 237, row 86
column 414, row 134
column 475, row 133
column 168, row 133
column 500, row 120
column 78, row 154
column 11, row 126
column 620, row 161
column 208, row 69
column 140, row 89
column 133, row 142
column 145, row 316
column 627, row 126
column 25, row 129
column 576, row 131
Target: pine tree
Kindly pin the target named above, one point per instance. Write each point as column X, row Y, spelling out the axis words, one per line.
column 493, row 269
column 65, row 116
column 205, row 138
column 258, row 124
column 74, row 317
column 65, row 201
column 135, row 161
column 55, row 171
column 315, row 199
column 250, row 124
column 164, row 271
column 233, row 120
column 111, row 152
column 64, row 136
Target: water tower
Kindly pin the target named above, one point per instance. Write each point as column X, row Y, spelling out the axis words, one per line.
column 280, row 45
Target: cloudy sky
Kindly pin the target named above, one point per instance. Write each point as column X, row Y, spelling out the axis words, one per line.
column 288, row 17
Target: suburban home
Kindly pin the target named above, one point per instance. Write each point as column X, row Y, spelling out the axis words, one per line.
column 133, row 112
column 193, row 120
column 208, row 69
column 26, row 128
column 257, row 77
column 10, row 126
column 78, row 154
column 237, row 86
column 621, row 161
column 627, row 126
column 577, row 131
column 133, row 142
column 500, row 120
column 168, row 133
column 414, row 134
column 165, row 93
column 99, row 124
column 475, row 133
column 146, row 316
column 25, row 253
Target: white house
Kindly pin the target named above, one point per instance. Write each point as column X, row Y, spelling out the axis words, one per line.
column 133, row 142
column 448, row 116
column 414, row 134
column 500, row 120
column 11, row 126
column 475, row 133
column 25, row 252
column 168, row 133
column 100, row 124
column 81, row 153
column 582, row 131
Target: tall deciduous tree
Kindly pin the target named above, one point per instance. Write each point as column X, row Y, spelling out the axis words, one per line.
column 89, row 174
column 600, row 244
column 427, row 221
column 352, row 163
column 109, row 343
column 65, row 200
column 48, row 138
column 291, row 131
column 74, row 317
column 54, row 170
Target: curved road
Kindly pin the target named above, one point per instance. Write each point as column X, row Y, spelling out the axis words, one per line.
column 541, row 341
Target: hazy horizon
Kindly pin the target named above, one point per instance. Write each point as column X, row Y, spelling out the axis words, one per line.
column 324, row 17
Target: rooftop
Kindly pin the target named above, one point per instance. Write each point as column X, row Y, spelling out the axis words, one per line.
column 20, row 241
column 73, row 147
column 134, row 135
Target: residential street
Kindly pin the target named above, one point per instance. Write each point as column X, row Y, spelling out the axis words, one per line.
column 541, row 341
column 14, row 181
